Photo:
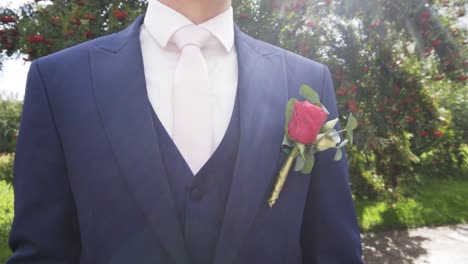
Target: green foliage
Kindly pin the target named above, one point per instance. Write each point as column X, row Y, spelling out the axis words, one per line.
column 6, row 167
column 42, row 27
column 436, row 202
column 438, row 162
column 379, row 53
column 6, row 218
column 398, row 65
column 10, row 116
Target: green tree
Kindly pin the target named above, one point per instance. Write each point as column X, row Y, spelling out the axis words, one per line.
column 398, row 65
column 389, row 59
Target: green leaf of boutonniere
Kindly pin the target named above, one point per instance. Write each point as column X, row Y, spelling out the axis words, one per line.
column 325, row 143
column 289, row 112
column 299, row 163
column 342, row 144
column 329, row 125
column 309, row 162
column 338, row 154
column 301, row 149
column 352, row 122
column 290, row 109
column 350, row 126
column 310, row 95
column 334, row 135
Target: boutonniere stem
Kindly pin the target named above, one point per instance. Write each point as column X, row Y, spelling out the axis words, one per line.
column 282, row 175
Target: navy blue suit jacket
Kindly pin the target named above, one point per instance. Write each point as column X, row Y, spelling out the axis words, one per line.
column 88, row 178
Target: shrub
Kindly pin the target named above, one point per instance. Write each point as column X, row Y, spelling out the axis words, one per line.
column 6, row 217
column 6, row 167
column 10, row 116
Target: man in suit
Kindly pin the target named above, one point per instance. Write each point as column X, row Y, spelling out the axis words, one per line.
column 111, row 168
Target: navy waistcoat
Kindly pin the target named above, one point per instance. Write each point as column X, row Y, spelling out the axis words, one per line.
column 200, row 200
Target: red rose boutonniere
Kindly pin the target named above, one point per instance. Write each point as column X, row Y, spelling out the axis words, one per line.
column 306, row 133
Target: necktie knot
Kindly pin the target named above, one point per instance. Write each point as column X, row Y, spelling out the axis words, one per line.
column 191, row 35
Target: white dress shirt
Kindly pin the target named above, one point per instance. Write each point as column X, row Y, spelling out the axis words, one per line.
column 160, row 57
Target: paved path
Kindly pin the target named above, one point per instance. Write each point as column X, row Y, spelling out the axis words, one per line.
column 440, row 245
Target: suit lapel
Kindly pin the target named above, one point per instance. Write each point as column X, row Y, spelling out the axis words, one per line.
column 263, row 98
column 122, row 101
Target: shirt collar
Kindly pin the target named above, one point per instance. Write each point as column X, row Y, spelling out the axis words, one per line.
column 162, row 21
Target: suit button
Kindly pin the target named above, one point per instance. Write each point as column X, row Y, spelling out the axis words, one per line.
column 196, row 194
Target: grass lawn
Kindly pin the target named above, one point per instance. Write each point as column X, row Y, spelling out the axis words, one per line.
column 6, row 215
column 437, row 202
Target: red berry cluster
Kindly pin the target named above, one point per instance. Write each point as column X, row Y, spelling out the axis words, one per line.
column 8, row 33
column 351, row 104
column 120, row 15
column 35, row 39
column 7, row 19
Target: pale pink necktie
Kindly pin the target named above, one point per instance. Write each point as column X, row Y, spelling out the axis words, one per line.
column 192, row 98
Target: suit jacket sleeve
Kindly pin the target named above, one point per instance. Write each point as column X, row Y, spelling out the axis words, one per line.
column 45, row 227
column 330, row 233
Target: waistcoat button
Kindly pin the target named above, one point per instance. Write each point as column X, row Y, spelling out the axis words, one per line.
column 196, row 194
